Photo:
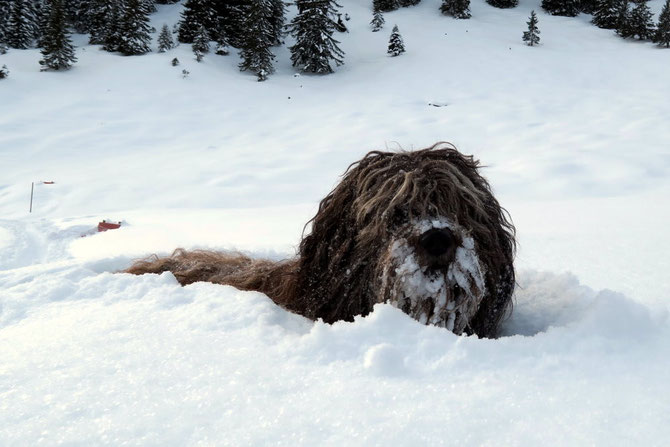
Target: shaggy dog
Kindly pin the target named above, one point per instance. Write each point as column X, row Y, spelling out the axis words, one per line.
column 420, row 230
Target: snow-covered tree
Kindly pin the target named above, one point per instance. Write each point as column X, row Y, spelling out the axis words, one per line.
column 385, row 5
column 313, row 27
column 175, row 62
column 4, row 72
column 165, row 41
column 377, row 21
column 607, row 13
column 662, row 36
column 459, row 9
column 232, row 15
column 5, row 8
column 196, row 14
column 503, row 3
column 623, row 21
column 106, row 25
column 200, row 44
column 396, row 45
column 21, row 25
column 641, row 23
column 259, row 38
column 57, row 50
column 278, row 21
column 100, row 13
column 588, row 6
column 532, row 36
column 406, row 3
column 77, row 13
column 566, row 8
column 135, row 29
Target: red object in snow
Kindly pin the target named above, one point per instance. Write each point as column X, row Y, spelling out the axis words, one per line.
column 104, row 226
column 48, row 183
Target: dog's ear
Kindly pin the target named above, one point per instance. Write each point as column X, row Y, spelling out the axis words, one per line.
column 329, row 265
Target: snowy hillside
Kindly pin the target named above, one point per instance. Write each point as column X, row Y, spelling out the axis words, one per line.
column 575, row 136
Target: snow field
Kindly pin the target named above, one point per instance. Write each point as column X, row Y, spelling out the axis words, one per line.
column 574, row 135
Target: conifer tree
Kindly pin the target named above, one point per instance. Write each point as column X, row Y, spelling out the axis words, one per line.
column 406, row 3
column 134, row 29
column 588, row 6
column 377, row 21
column 5, row 8
column 385, row 5
column 255, row 53
column 606, row 14
column 503, row 3
column 197, row 13
column 566, row 8
column 641, row 23
column 165, row 41
column 623, row 21
column 4, row 72
column 77, row 13
column 459, row 9
column 21, row 25
column 200, row 44
column 231, row 17
column 278, row 20
column 315, row 48
column 662, row 36
column 532, row 36
column 396, row 45
column 57, row 50
column 112, row 29
column 100, row 12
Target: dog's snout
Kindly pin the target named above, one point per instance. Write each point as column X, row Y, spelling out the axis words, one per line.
column 437, row 241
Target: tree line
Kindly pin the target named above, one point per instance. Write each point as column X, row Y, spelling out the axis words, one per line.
column 254, row 27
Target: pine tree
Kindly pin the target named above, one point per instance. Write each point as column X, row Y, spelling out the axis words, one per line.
column 566, row 8
column 588, row 6
column 313, row 29
column 5, row 8
column 278, row 20
column 406, row 3
column 111, row 30
column 641, row 23
column 200, row 44
column 532, row 36
column 623, row 28
column 100, row 12
column 377, row 21
column 662, row 36
column 4, row 72
column 57, row 50
column 396, row 45
column 459, row 9
column 78, row 14
column 21, row 25
column 232, row 14
column 135, row 37
column 606, row 14
column 255, row 53
column 197, row 13
column 385, row 5
column 165, row 41
column 503, row 3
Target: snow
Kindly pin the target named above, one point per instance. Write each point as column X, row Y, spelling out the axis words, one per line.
column 573, row 134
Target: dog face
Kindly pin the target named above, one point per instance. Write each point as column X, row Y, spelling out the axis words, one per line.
column 431, row 271
column 420, row 230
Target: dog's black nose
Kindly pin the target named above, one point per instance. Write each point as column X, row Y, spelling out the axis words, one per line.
column 437, row 241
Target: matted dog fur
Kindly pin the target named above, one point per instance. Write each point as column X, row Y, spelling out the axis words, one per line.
column 420, row 230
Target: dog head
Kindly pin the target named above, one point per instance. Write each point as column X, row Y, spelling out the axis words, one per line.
column 420, row 230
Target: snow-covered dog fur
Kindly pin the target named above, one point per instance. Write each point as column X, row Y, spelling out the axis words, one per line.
column 420, row 230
